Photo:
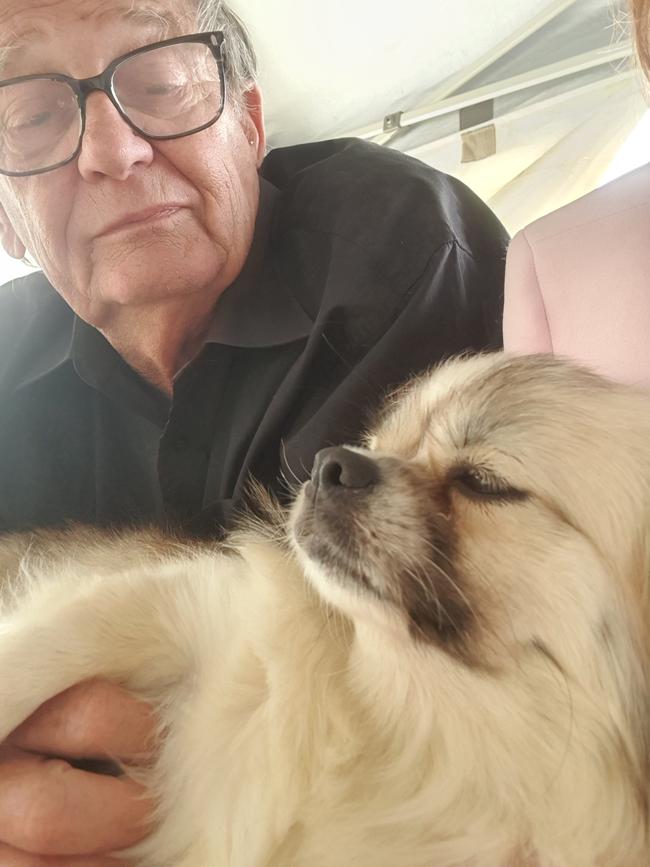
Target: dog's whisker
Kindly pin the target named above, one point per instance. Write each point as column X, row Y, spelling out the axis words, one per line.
column 297, row 479
column 455, row 586
column 290, row 487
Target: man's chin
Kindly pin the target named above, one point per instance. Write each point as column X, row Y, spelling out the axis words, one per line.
column 154, row 278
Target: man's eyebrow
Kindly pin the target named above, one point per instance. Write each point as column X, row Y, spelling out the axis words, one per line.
column 18, row 43
column 6, row 52
column 158, row 24
column 151, row 17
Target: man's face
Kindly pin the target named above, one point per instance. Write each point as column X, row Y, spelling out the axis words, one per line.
column 203, row 189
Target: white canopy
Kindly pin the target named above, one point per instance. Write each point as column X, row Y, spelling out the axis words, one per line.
column 527, row 101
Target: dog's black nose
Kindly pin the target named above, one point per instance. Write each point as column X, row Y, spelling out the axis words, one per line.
column 343, row 468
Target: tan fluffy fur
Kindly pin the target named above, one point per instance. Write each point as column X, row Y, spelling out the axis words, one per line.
column 318, row 723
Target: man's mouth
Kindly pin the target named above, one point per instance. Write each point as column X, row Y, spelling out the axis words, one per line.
column 139, row 219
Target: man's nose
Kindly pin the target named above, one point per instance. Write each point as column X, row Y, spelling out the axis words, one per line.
column 110, row 147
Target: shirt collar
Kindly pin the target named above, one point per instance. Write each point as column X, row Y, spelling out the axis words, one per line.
column 257, row 309
column 47, row 352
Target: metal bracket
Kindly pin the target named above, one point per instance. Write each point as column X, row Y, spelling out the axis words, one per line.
column 393, row 122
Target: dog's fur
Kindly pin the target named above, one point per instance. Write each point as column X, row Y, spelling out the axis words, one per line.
column 463, row 678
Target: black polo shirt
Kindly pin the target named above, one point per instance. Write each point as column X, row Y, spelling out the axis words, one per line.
column 367, row 266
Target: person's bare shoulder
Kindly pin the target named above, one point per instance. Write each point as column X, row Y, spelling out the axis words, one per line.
column 626, row 198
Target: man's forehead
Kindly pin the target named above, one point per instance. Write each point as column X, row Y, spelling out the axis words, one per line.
column 25, row 23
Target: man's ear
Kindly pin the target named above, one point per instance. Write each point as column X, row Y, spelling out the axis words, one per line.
column 254, row 121
column 12, row 244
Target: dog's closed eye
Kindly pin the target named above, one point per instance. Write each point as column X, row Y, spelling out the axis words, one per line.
column 480, row 483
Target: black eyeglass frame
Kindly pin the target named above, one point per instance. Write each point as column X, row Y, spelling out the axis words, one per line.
column 103, row 82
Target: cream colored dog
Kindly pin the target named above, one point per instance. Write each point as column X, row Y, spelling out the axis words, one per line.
column 463, row 678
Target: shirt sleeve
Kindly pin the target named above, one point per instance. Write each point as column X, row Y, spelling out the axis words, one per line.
column 525, row 323
column 455, row 306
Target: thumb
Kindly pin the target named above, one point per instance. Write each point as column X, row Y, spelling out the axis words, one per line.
column 92, row 719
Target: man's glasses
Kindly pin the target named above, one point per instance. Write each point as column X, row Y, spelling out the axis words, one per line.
column 163, row 91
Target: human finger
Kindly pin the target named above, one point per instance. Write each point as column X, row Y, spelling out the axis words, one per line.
column 48, row 807
column 91, row 719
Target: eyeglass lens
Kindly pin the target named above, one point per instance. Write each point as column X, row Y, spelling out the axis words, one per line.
column 167, row 91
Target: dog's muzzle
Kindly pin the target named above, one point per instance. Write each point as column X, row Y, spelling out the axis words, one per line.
column 344, row 483
column 374, row 522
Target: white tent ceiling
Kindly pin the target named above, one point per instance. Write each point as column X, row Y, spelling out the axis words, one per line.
column 330, row 68
column 551, row 80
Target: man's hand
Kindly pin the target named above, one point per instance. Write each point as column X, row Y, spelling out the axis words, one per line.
column 52, row 814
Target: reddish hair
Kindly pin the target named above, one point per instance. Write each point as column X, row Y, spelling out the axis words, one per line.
column 641, row 20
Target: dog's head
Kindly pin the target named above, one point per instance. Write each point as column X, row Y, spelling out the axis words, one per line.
column 498, row 520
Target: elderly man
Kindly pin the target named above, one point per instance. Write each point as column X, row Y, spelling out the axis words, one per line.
column 203, row 315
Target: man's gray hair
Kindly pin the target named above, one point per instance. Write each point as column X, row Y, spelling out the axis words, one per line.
column 239, row 54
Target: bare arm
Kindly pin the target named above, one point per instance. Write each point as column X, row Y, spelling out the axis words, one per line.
column 525, row 324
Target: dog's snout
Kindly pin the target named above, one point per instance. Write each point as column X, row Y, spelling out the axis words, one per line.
column 343, row 468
